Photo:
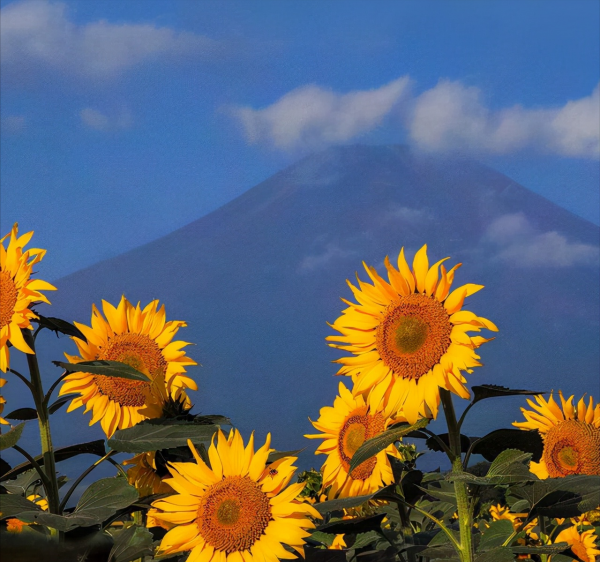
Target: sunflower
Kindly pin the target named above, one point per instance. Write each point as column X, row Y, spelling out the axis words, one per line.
column 236, row 510
column 582, row 544
column 144, row 477
column 571, row 436
column 346, row 426
column 17, row 292
column 411, row 332
column 141, row 339
column 338, row 543
column 2, row 402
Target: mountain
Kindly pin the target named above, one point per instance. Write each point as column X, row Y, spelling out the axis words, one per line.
column 258, row 279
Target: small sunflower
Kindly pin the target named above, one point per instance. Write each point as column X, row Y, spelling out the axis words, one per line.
column 236, row 510
column 142, row 339
column 17, row 292
column 338, row 543
column 346, row 426
column 411, row 332
column 144, row 477
column 499, row 512
column 571, row 436
column 2, row 402
column 582, row 544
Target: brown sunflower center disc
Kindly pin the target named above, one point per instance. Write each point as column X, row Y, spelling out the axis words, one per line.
column 8, row 298
column 572, row 447
column 233, row 514
column 413, row 335
column 356, row 430
column 138, row 351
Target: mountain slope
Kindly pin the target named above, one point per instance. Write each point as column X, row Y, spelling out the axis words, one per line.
column 258, row 279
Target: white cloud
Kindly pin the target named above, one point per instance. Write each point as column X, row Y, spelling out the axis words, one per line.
column 317, row 261
column 99, row 121
column 405, row 215
column 521, row 245
column 447, row 118
column 452, row 117
column 14, row 124
column 37, row 34
column 313, row 117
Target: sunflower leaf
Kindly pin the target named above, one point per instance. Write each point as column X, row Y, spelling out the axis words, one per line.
column 493, row 444
column 495, row 535
column 354, row 525
column 57, row 325
column 380, row 442
column 22, row 414
column 131, row 543
column 11, row 438
column 63, row 453
column 276, row 455
column 58, row 404
column 499, row 554
column 545, row 549
column 484, row 391
column 12, row 505
column 147, row 436
column 341, row 504
column 106, row 368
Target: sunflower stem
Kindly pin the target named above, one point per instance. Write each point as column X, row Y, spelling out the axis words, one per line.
column 44, row 423
column 407, row 531
column 460, row 488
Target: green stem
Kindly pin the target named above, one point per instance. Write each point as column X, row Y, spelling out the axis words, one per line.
column 44, row 423
column 460, row 488
column 406, row 531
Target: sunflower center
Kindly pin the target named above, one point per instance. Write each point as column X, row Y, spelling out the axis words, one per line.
column 8, row 298
column 572, row 447
column 413, row 335
column 356, row 430
column 233, row 514
column 138, row 351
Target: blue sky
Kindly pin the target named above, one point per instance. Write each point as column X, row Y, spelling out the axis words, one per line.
column 122, row 121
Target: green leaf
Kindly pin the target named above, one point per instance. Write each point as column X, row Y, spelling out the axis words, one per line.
column 380, row 442
column 12, row 505
column 59, row 404
column 150, row 436
column 22, row 414
column 565, row 497
column 276, row 455
column 22, row 483
column 131, row 543
column 57, row 325
column 500, row 554
column 433, row 445
column 100, row 501
column 494, row 391
column 546, row 549
column 344, row 503
column 63, row 453
column 11, row 438
column 508, row 468
column 365, row 539
column 491, row 445
column 105, row 368
column 495, row 536
column 354, row 525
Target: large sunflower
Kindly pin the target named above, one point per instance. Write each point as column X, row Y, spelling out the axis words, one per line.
column 571, row 436
column 236, row 510
column 582, row 544
column 412, row 332
column 17, row 292
column 346, row 426
column 141, row 339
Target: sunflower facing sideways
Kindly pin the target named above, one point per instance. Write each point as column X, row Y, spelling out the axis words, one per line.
column 18, row 291
column 346, row 426
column 411, row 332
column 142, row 339
column 238, row 509
column 571, row 436
column 582, row 544
column 143, row 475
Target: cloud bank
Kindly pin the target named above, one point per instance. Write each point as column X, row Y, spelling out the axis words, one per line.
column 449, row 117
column 314, row 117
column 521, row 245
column 38, row 35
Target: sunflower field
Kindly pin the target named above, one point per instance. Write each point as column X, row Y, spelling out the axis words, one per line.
column 190, row 487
